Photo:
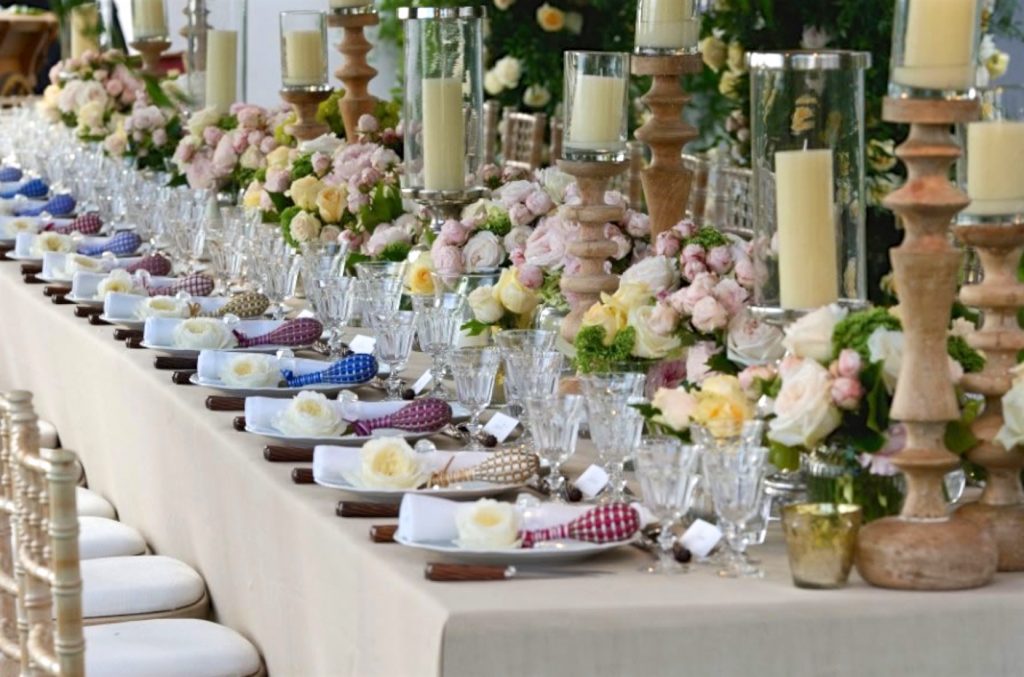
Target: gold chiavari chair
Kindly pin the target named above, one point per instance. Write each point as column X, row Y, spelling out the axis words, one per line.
column 522, row 139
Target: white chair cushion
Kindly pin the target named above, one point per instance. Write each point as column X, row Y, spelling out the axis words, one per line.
column 102, row 537
column 125, row 586
column 48, row 438
column 92, row 504
column 175, row 647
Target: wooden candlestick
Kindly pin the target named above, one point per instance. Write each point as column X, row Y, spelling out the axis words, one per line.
column 592, row 248
column 151, row 49
column 667, row 180
column 355, row 73
column 925, row 548
column 1001, row 507
column 305, row 101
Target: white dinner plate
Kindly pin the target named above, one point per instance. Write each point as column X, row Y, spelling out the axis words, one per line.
column 346, row 439
column 129, row 323
column 28, row 258
column 189, row 352
column 545, row 552
column 94, row 302
column 270, row 391
column 461, row 491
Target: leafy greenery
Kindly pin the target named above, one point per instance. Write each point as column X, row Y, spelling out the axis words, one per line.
column 396, row 251
column 855, row 329
column 286, row 225
column 970, row 359
column 550, row 292
column 592, row 355
column 708, row 238
column 475, row 327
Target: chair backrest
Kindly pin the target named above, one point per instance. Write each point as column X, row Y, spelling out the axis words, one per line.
column 557, row 132
column 10, row 610
column 492, row 117
column 522, row 139
column 47, row 542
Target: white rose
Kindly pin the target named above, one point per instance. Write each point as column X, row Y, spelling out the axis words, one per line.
column 811, row 335
column 51, row 242
column 483, row 251
column 74, row 263
column 676, row 406
column 886, row 346
column 305, row 227
column 517, row 238
column 656, row 272
column 119, row 282
column 536, row 96
column 163, row 306
column 804, row 413
column 555, row 182
column 202, row 119
column 390, row 463
column 486, row 308
column 487, row 524
column 309, row 414
column 15, row 226
column 509, row 70
column 90, row 116
column 492, row 83
column 325, row 143
column 203, row 333
column 649, row 344
column 250, row 371
column 1012, row 433
column 503, row 4
column 751, row 341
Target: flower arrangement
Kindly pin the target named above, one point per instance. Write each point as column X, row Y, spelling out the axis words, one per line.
column 88, row 93
column 1011, row 433
column 719, row 404
column 150, row 134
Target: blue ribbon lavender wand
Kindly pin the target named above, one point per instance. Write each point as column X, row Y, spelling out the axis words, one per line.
column 350, row 370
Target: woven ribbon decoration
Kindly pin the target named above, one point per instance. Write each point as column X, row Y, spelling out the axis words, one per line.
column 10, row 174
column 346, row 371
column 246, row 304
column 504, row 467
column 59, row 205
column 87, row 224
column 196, row 284
column 122, row 244
column 300, row 332
column 154, row 264
column 603, row 524
column 421, row 416
column 31, row 188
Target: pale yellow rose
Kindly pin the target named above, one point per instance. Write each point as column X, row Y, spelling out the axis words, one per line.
column 611, row 317
column 513, row 295
column 729, row 85
column 676, row 406
column 722, row 407
column 487, row 525
column 390, row 463
column 737, row 58
column 253, row 195
column 305, row 191
column 331, row 202
column 485, row 305
column 649, row 344
column 630, row 295
column 279, row 158
column 551, row 19
column 714, row 52
column 419, row 279
column 997, row 64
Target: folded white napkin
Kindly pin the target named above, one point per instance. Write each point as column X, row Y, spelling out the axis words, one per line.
column 85, row 285
column 429, row 518
column 211, row 362
column 24, row 241
column 126, row 306
column 337, row 464
column 260, row 412
column 55, row 264
column 159, row 331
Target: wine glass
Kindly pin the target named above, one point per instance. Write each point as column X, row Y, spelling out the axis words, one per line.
column 474, row 371
column 666, row 469
column 555, row 422
column 736, row 480
column 395, row 333
column 437, row 326
column 332, row 303
column 615, row 426
column 511, row 342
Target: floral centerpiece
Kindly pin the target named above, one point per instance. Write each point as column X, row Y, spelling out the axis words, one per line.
column 150, row 134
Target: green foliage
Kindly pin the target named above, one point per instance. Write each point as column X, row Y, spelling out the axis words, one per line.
column 709, row 238
column 329, row 113
column 476, row 327
column 970, row 359
column 303, row 166
column 592, row 355
column 286, row 225
column 855, row 329
column 385, row 205
column 396, row 251
column 550, row 292
column 783, row 457
column 721, row 363
column 958, row 437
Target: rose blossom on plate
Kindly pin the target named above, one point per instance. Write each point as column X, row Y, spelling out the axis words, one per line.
column 250, row 371
column 309, row 414
column 487, row 525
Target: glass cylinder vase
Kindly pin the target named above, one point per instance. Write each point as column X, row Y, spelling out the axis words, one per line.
column 215, row 58
column 990, row 169
column 303, row 49
column 443, row 98
column 667, row 27
column 935, row 49
column 149, row 20
column 596, row 106
column 83, row 27
column 807, row 154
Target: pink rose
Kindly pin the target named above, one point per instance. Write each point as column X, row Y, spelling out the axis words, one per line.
column 278, row 180
column 719, row 260
column 367, row 124
column 539, row 202
column 212, row 136
column 518, row 257
column 224, row 158
column 693, row 269
column 750, row 376
column 384, row 235
column 744, row 272
column 614, row 198
column 731, row 295
column 531, row 277
column 666, row 244
column 268, row 145
column 454, row 233
column 622, row 243
column 697, row 361
column 114, row 87
column 638, row 224
column 321, row 163
column 520, row 215
column 546, row 245
column 663, row 320
column 199, row 173
column 709, row 315
column 159, row 137
column 686, row 228
column 447, row 259
column 255, row 137
column 239, row 140
column 250, row 117
column 693, row 253
column 846, row 393
column 849, row 363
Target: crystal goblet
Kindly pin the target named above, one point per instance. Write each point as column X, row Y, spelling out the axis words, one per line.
column 555, row 422
column 666, row 469
column 474, row 371
column 736, row 480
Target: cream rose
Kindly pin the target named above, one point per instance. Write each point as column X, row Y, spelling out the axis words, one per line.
column 485, row 305
column 676, row 406
column 804, row 413
column 163, row 306
column 550, row 19
column 487, row 525
column 74, row 263
column 309, row 414
column 811, row 335
column 119, row 281
column 279, row 158
column 15, row 226
column 331, row 203
column 629, row 295
column 390, row 463
column 304, row 227
column 51, row 242
column 250, row 371
column 419, row 279
column 483, row 251
column 304, row 191
column 714, row 51
column 886, row 346
column 513, row 295
column 649, row 343
column 203, row 333
column 509, row 70
column 536, row 96
column 613, row 318
column 1011, row 434
column 722, row 406
column 202, row 119
column 657, row 273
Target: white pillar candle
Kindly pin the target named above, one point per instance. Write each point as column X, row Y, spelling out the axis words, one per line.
column 938, row 46
column 444, row 135
column 85, row 25
column 149, row 19
column 221, row 68
column 667, row 24
column 806, row 229
column 597, row 113
column 304, row 59
column 995, row 182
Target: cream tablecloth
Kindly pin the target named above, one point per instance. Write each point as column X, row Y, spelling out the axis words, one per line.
column 319, row 598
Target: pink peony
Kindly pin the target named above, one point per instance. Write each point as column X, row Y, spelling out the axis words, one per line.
column 546, row 245
column 224, row 158
column 849, row 363
column 212, row 136
column 200, row 173
column 693, row 253
column 516, row 192
column 383, row 235
column 114, row 87
column 321, row 163
column 638, row 224
column 520, row 215
column 693, row 269
column 719, row 260
column 666, row 244
column 447, row 259
column 686, row 228
column 278, row 180
column 664, row 319
column 453, row 233
column 539, row 202
column 622, row 243
column 709, row 315
column 517, row 256
column 744, row 272
column 268, row 145
column 531, row 277
column 731, row 295
column 250, row 117
column 846, row 393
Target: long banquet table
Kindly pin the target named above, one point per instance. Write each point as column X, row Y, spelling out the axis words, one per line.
column 318, row 598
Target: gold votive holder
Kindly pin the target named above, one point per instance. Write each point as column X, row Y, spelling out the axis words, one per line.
column 821, row 538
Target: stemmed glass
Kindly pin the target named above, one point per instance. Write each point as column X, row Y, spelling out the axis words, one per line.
column 395, row 333
column 532, row 373
column 474, row 371
column 437, row 326
column 555, row 422
column 615, row 426
column 332, row 302
column 736, row 480
column 666, row 468
column 514, row 341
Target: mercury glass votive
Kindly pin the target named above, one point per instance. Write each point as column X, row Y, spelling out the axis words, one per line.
column 596, row 106
column 820, row 538
column 935, row 49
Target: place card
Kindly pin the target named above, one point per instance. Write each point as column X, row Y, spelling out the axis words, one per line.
column 701, row 538
column 422, row 382
column 592, row 481
column 362, row 344
column 501, row 426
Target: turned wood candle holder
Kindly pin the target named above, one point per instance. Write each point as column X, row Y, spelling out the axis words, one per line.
column 1000, row 338
column 583, row 288
column 306, row 101
column 151, row 50
column 666, row 180
column 355, row 73
column 926, row 548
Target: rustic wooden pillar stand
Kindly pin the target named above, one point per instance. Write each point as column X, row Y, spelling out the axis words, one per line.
column 926, row 548
column 666, row 180
column 592, row 248
column 151, row 49
column 355, row 73
column 1001, row 507
column 306, row 101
